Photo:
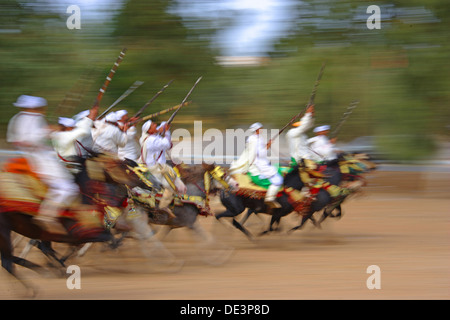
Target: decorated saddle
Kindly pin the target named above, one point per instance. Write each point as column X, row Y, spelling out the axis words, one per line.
column 151, row 195
column 21, row 190
column 255, row 188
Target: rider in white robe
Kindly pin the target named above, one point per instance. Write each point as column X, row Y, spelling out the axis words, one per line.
column 131, row 150
column 110, row 136
column 155, row 141
column 297, row 138
column 28, row 132
column 254, row 160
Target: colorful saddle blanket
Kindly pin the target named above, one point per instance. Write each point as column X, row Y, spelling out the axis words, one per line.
column 22, row 191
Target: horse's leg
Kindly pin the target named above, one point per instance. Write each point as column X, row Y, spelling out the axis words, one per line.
column 216, row 253
column 339, row 212
column 273, row 219
column 328, row 212
column 28, row 264
column 247, row 215
column 84, row 249
column 17, row 239
column 240, row 227
column 138, row 221
column 30, row 244
column 302, row 223
column 232, row 214
column 46, row 248
column 8, row 259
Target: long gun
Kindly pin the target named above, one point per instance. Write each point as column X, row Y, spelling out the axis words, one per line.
column 310, row 103
column 130, row 90
column 182, row 103
column 345, row 116
column 109, row 78
column 152, row 99
column 156, row 114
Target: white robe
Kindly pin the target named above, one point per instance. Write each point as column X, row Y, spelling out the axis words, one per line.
column 131, row 150
column 298, row 140
column 254, row 159
column 30, row 134
column 322, row 149
column 65, row 142
column 109, row 138
column 154, row 149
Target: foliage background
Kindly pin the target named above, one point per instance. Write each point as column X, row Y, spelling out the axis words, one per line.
column 399, row 73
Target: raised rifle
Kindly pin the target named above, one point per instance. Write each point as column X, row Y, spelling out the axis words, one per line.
column 130, row 90
column 152, row 99
column 109, row 78
column 345, row 116
column 156, row 114
column 310, row 103
column 183, row 103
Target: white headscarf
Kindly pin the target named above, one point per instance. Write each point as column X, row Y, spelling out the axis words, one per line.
column 255, row 126
column 144, row 136
column 120, row 114
column 81, row 115
column 111, row 117
column 321, row 128
column 67, row 122
column 30, row 102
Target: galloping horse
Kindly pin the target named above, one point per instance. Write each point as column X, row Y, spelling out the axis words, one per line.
column 201, row 182
column 83, row 223
column 352, row 167
column 290, row 197
column 306, row 204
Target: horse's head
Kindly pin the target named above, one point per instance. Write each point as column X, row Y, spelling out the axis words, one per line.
column 220, row 177
column 353, row 165
column 206, row 177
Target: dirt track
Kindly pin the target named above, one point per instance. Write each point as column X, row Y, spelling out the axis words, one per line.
column 407, row 236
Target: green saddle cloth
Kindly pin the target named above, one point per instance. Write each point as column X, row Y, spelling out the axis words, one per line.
column 265, row 183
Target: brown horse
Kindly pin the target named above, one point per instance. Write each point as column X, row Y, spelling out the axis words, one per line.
column 83, row 223
column 201, row 181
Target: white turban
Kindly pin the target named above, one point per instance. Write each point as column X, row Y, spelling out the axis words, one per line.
column 81, row 115
column 120, row 114
column 321, row 128
column 111, row 117
column 146, row 126
column 256, row 126
column 30, row 102
column 67, row 122
column 161, row 125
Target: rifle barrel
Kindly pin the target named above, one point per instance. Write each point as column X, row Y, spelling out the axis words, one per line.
column 109, row 77
column 183, row 102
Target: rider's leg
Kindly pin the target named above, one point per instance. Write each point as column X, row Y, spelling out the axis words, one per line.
column 271, row 194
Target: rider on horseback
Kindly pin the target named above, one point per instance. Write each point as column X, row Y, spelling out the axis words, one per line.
column 28, row 132
column 155, row 141
column 109, row 136
column 325, row 155
column 65, row 140
column 254, row 161
column 131, row 150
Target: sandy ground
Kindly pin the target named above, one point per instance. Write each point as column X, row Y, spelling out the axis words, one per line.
column 407, row 235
